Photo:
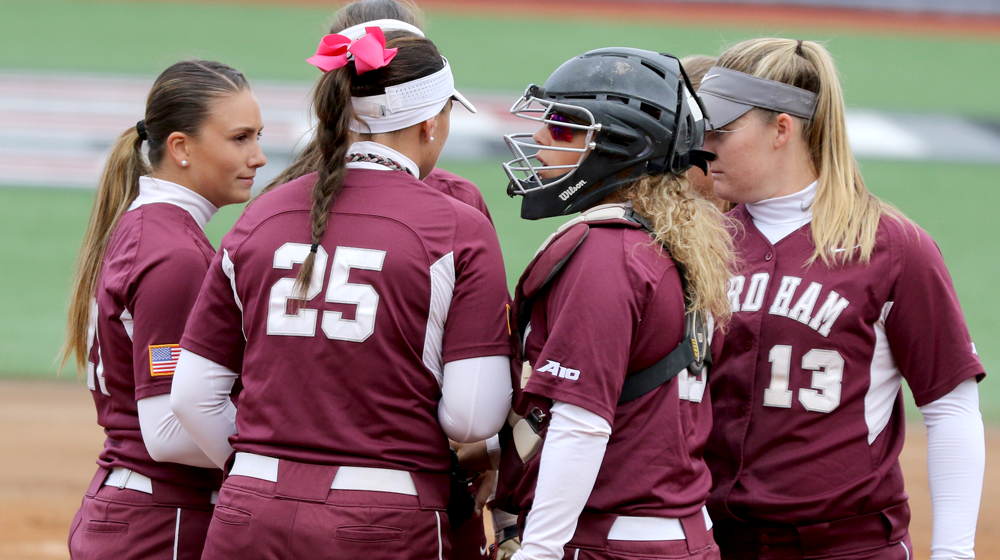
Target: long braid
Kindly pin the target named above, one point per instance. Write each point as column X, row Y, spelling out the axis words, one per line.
column 335, row 114
column 416, row 57
column 308, row 160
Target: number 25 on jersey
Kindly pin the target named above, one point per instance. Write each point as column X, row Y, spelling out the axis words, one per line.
column 303, row 322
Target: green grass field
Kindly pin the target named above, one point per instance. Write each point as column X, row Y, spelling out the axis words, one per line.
column 41, row 229
column 903, row 72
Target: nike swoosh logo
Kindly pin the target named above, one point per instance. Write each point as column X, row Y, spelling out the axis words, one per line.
column 707, row 78
column 484, row 550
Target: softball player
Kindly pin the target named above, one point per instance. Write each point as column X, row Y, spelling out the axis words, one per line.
column 141, row 265
column 468, row 539
column 366, row 316
column 619, row 474
column 840, row 300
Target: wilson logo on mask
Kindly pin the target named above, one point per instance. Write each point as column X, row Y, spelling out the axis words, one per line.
column 564, row 196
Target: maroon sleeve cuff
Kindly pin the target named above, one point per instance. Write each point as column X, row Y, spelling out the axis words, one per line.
column 942, row 389
column 204, row 351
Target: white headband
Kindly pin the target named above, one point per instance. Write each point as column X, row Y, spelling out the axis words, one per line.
column 407, row 104
column 356, row 32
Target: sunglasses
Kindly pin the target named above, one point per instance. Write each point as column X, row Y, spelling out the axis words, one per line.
column 559, row 132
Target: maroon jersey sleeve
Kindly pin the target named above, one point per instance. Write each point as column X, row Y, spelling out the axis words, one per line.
column 477, row 320
column 458, row 188
column 925, row 327
column 163, row 295
column 215, row 330
column 592, row 314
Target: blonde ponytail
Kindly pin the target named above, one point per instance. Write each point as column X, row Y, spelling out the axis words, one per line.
column 845, row 214
column 119, row 186
column 696, row 234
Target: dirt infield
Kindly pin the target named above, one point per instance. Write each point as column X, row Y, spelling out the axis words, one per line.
column 50, row 440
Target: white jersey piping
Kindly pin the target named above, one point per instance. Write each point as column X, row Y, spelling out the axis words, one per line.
column 229, row 269
column 442, row 275
column 884, row 382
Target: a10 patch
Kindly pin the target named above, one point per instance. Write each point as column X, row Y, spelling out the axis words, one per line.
column 163, row 359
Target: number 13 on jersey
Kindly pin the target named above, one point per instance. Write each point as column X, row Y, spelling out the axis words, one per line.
column 828, row 373
column 303, row 322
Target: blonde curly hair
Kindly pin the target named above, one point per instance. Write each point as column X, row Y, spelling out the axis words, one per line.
column 695, row 233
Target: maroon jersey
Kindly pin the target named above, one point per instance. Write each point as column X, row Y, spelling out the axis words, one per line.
column 405, row 280
column 458, row 188
column 617, row 308
column 808, row 410
column 149, row 280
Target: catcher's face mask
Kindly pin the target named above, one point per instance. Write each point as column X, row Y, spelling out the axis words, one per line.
column 564, row 123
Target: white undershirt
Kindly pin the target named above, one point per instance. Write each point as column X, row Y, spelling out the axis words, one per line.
column 569, row 463
column 778, row 217
column 380, row 150
column 200, row 397
column 469, row 410
column 159, row 191
column 956, row 445
column 164, row 437
column 956, row 463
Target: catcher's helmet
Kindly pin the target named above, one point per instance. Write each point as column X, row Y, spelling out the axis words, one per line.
column 641, row 117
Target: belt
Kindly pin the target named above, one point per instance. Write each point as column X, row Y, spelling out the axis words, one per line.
column 128, row 479
column 627, row 528
column 370, row 479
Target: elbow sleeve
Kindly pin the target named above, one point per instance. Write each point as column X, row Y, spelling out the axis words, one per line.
column 475, row 398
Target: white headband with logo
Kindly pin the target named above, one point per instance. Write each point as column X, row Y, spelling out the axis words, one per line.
column 407, row 104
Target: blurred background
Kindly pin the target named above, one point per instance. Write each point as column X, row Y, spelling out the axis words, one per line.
column 920, row 78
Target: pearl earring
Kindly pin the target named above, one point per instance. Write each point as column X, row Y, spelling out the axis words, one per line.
column 432, row 138
column 184, row 163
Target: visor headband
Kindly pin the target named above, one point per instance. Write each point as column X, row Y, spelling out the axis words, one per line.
column 406, row 104
column 744, row 89
column 356, row 32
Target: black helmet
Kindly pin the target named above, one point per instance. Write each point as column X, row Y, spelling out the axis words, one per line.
column 641, row 116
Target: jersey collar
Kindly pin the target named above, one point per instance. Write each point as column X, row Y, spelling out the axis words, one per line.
column 384, row 151
column 153, row 191
column 778, row 217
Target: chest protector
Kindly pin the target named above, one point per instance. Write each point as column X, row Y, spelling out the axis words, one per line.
column 521, row 437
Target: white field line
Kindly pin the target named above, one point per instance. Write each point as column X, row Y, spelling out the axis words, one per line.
column 55, row 129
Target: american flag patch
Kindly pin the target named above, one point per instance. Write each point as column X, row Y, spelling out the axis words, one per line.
column 163, row 359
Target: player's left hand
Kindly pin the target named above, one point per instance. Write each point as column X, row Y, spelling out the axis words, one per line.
column 486, row 484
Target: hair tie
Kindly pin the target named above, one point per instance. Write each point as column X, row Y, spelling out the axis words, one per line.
column 798, row 49
column 140, row 127
column 314, row 247
column 368, row 52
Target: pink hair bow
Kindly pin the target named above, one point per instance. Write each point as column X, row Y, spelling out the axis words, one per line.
column 369, row 52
